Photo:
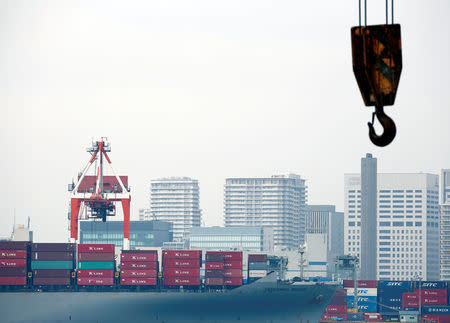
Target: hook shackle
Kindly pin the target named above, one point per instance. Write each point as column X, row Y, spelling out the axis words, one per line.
column 389, row 128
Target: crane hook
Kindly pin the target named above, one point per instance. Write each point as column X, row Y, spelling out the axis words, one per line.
column 388, row 126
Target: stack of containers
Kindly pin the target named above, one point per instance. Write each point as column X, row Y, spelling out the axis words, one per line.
column 257, row 267
column 214, row 269
column 13, row 263
column 139, row 268
column 95, row 264
column 390, row 295
column 232, row 268
column 181, row 267
column 367, row 295
column 337, row 308
column 436, row 313
column 52, row 263
column 431, row 293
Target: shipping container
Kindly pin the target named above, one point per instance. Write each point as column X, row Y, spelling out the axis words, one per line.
column 191, row 263
column 214, row 273
column 13, row 271
column 142, row 281
column 95, row 281
column 257, row 265
column 181, row 272
column 257, row 273
column 13, row 280
column 362, row 300
column 52, row 264
column 363, row 291
column 183, row 254
column 372, row 317
column 410, row 296
column 410, row 303
column 237, row 273
column 9, row 263
column 53, row 255
column 336, row 309
column 433, row 292
column 233, row 264
column 434, row 300
column 431, row 285
column 133, row 273
column 334, row 317
column 135, row 251
column 139, row 257
column 56, row 273
column 214, row 265
column 14, row 254
column 367, row 307
column 181, row 281
column 228, row 255
column 95, row 273
column 214, row 257
column 96, row 248
column 14, row 245
column 355, row 317
column 214, row 281
column 51, row 281
column 390, row 318
column 52, row 247
column 361, row 283
column 436, row 310
column 232, row 281
column 257, row 258
column 396, row 285
column 96, row 256
column 96, row 265
column 139, row 265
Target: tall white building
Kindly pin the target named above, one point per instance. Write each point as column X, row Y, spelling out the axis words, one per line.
column 407, row 224
column 277, row 202
column 176, row 200
column 445, row 224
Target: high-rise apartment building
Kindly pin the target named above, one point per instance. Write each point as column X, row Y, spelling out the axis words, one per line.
column 323, row 219
column 368, row 258
column 276, row 202
column 175, row 200
column 407, row 224
column 445, row 225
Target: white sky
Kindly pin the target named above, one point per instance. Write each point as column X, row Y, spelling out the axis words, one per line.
column 206, row 89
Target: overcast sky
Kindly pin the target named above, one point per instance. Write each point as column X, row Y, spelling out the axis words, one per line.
column 205, row 89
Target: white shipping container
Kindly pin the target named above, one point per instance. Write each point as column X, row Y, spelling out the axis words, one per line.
column 362, row 291
column 257, row 273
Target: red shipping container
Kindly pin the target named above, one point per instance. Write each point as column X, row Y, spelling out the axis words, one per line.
column 228, row 255
column 214, row 257
column 93, row 273
column 143, row 281
column 233, row 281
column 13, row 263
column 214, row 273
column 139, row 251
column 237, row 273
column 13, row 280
column 15, row 254
column 410, row 303
column 214, row 265
column 181, row 272
column 434, row 300
column 95, row 281
column 96, row 256
column 14, row 245
column 13, row 271
column 233, row 264
column 333, row 316
column 139, row 265
column 336, row 309
column 361, row 283
column 52, row 255
column 53, row 273
column 95, row 248
column 410, row 296
column 181, row 281
column 53, row 247
column 51, row 281
column 372, row 317
column 433, row 292
column 184, row 254
column 191, row 263
column 139, row 257
column 214, row 281
column 133, row 273
column 257, row 258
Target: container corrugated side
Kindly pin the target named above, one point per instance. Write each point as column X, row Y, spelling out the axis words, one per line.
column 95, row 281
column 214, row 265
column 139, row 251
column 95, row 248
column 257, row 273
column 181, row 281
column 95, row 273
column 46, row 273
column 96, row 256
column 228, row 255
column 139, row 265
column 52, row 264
column 13, row 263
column 52, row 247
column 257, row 265
column 13, row 271
column 232, row 281
column 190, row 263
column 13, row 254
column 51, row 281
column 182, row 271
column 133, row 273
column 141, row 257
column 182, row 254
column 13, row 280
column 214, row 281
column 236, row 273
column 232, row 264
column 14, row 245
column 214, row 257
column 142, row 281
column 436, row 310
column 96, row 265
column 257, row 258
column 214, row 273
column 52, row 255
column 361, row 283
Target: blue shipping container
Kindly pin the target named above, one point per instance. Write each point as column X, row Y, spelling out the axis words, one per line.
column 390, row 284
column 390, row 318
column 431, row 285
column 257, row 265
column 391, row 299
column 435, row 309
column 355, row 317
column 367, row 307
column 362, row 300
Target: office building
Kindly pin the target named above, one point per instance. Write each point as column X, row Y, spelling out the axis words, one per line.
column 407, row 224
column 231, row 238
column 175, row 200
column 276, row 202
column 323, row 219
column 445, row 225
column 368, row 252
column 142, row 233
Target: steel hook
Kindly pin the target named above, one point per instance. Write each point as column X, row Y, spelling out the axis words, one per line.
column 389, row 129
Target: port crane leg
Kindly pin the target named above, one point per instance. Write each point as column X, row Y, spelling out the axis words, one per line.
column 126, row 223
column 74, row 212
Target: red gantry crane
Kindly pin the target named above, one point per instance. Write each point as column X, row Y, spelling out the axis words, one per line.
column 98, row 194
